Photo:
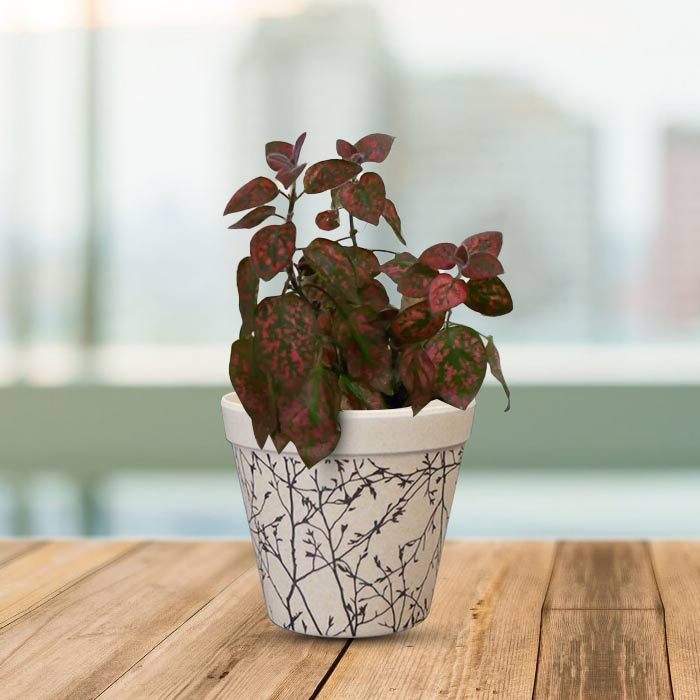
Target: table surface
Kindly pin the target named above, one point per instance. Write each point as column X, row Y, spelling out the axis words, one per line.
column 511, row 620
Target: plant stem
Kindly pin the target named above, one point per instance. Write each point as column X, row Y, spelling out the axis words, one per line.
column 353, row 230
column 383, row 250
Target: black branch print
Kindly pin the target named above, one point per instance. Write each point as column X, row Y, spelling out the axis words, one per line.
column 350, row 547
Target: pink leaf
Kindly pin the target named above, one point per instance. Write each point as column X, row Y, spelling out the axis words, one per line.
column 446, row 292
column 481, row 266
column 441, row 256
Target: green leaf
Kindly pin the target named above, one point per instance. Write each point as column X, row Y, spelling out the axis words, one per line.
column 272, row 248
column 460, row 360
column 248, row 284
column 489, row 297
column 494, row 360
column 415, row 323
column 258, row 191
column 285, row 340
column 330, row 261
column 329, row 174
column 359, row 396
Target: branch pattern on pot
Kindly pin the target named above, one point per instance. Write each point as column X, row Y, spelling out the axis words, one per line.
column 353, row 546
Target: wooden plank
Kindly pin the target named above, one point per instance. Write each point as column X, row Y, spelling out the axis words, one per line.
column 602, row 627
column 43, row 572
column 230, row 650
column 604, row 575
column 11, row 549
column 603, row 655
column 677, row 566
column 479, row 641
column 81, row 641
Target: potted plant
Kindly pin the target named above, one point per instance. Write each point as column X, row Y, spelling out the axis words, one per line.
column 349, row 414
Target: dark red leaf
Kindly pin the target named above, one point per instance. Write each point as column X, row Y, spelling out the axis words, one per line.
column 330, row 260
column 272, row 248
column 365, row 263
column 288, row 176
column 310, row 416
column 416, row 322
column 344, row 149
column 462, row 255
column 446, row 292
column 459, row 357
column 279, row 440
column 248, row 284
column 489, row 297
column 253, row 389
column 494, row 361
column 374, row 147
column 278, row 154
column 441, row 256
column 255, row 217
column 398, row 265
column 297, row 147
column 482, row 265
column 359, row 396
column 327, row 220
column 391, row 216
column 486, row 242
column 364, row 199
column 258, row 191
column 374, row 295
column 416, row 281
column 328, row 174
column 285, row 340
column 417, row 372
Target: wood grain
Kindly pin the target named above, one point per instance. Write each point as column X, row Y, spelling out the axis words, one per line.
column 480, row 640
column 11, row 549
column 602, row 627
column 79, row 642
column 43, row 572
column 677, row 566
column 605, row 575
column 603, row 655
column 230, row 650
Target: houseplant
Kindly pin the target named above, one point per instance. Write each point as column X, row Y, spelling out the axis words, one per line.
column 349, row 414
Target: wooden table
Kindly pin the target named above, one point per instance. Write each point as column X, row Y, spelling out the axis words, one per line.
column 112, row 619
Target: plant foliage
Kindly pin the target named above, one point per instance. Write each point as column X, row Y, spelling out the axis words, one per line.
column 332, row 340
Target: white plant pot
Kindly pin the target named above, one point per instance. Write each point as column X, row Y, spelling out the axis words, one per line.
column 351, row 547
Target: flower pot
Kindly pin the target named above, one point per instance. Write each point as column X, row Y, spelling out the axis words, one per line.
column 351, row 547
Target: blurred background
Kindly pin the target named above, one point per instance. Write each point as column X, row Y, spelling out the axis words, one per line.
column 125, row 126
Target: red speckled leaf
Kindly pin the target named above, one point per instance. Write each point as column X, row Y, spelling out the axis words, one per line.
column 253, row 389
column 255, row 217
column 415, row 323
column 365, row 263
column 327, row 220
column 363, row 340
column 328, row 174
column 374, row 295
column 297, row 147
column 482, row 265
column 494, row 360
column 489, row 297
column 358, row 396
column 391, row 216
column 310, row 416
column 462, row 256
column 374, row 147
column 285, row 340
column 345, row 150
column 258, row 191
column 364, row 199
column 279, row 440
column 459, row 357
column 248, row 284
column 288, row 176
column 417, row 372
column 398, row 265
column 446, row 292
column 441, row 256
column 271, row 248
column 279, row 154
column 486, row 242
column 416, row 281
column 330, row 261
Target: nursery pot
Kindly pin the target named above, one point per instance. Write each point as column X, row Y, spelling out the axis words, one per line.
column 351, row 547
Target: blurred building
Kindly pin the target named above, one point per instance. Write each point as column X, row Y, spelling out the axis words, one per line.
column 676, row 252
